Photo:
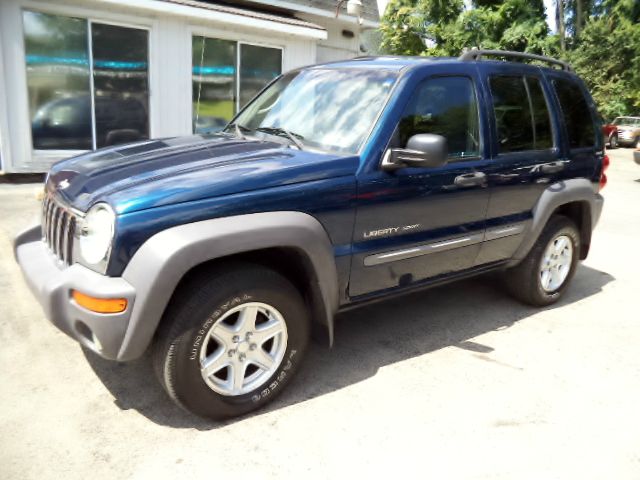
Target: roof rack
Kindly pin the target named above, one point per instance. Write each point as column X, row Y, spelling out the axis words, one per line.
column 475, row 54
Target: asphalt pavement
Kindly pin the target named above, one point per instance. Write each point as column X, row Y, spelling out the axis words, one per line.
column 456, row 382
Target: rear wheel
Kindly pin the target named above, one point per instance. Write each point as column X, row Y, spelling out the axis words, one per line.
column 543, row 276
column 230, row 343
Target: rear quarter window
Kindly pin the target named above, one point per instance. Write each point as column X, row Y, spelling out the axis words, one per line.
column 576, row 114
column 521, row 114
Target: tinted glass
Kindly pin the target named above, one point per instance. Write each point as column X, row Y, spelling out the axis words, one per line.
column 214, row 86
column 542, row 135
column 258, row 67
column 513, row 115
column 328, row 109
column 576, row 114
column 57, row 62
column 121, row 84
column 444, row 106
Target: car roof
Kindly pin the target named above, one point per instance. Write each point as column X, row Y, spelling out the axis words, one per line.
column 402, row 62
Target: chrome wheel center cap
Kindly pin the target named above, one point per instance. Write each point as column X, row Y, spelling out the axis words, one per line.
column 243, row 347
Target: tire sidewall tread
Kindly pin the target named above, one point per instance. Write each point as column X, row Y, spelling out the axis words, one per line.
column 523, row 281
column 194, row 310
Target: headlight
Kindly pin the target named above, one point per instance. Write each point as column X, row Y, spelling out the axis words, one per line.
column 97, row 234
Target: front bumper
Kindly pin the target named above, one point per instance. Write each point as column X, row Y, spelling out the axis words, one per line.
column 52, row 283
column 636, row 156
column 626, row 137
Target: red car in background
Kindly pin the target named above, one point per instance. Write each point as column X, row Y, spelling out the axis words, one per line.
column 610, row 134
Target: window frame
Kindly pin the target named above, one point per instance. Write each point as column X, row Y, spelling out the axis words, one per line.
column 474, row 86
column 90, row 18
column 214, row 34
column 597, row 138
column 494, row 122
column 88, row 15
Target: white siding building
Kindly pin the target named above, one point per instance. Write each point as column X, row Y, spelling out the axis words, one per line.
column 79, row 75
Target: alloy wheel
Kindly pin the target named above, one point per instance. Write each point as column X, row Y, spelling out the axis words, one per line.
column 556, row 263
column 243, row 349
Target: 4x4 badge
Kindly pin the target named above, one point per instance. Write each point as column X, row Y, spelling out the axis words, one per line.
column 63, row 184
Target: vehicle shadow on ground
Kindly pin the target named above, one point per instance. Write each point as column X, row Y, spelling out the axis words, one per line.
column 366, row 340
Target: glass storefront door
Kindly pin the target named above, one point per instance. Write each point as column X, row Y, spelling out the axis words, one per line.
column 226, row 75
column 87, row 82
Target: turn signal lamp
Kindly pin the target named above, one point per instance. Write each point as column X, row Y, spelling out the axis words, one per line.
column 99, row 305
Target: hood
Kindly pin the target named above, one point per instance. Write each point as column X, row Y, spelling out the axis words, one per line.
column 161, row 172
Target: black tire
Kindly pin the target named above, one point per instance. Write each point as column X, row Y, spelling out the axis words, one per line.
column 193, row 311
column 523, row 281
column 613, row 142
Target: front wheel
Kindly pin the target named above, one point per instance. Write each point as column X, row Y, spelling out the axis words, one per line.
column 230, row 341
column 613, row 142
column 543, row 276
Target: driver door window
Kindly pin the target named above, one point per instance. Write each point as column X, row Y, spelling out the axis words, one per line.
column 444, row 106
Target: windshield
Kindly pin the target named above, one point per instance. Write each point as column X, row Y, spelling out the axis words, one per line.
column 328, row 109
column 625, row 121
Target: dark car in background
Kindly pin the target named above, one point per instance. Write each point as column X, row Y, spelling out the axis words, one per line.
column 65, row 123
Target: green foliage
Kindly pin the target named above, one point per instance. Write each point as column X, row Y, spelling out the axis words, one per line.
column 606, row 56
column 603, row 38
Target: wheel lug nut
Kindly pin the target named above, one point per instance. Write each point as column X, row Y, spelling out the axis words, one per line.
column 241, row 357
column 231, row 353
column 236, row 339
column 253, row 346
column 248, row 335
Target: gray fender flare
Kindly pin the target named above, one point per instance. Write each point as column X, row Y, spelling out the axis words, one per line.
column 161, row 262
column 554, row 196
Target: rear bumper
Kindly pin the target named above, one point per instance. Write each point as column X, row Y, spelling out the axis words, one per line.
column 52, row 284
column 596, row 210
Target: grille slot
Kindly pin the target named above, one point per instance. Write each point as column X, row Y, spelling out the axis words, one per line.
column 58, row 229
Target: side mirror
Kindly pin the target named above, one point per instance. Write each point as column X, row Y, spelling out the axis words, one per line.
column 424, row 150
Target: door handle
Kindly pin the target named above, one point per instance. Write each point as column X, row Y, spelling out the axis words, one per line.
column 553, row 167
column 471, row 179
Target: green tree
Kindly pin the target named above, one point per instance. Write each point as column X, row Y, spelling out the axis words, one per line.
column 438, row 27
column 600, row 38
column 605, row 55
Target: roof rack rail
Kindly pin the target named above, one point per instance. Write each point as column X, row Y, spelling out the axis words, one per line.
column 475, row 54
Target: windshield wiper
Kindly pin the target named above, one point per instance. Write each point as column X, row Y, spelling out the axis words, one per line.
column 294, row 137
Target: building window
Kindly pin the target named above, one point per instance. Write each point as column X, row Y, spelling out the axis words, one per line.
column 87, row 82
column 226, row 76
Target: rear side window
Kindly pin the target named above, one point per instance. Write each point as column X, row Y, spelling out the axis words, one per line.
column 543, row 137
column 576, row 114
column 444, row 106
column 521, row 114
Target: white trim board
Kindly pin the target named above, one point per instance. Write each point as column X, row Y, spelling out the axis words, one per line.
column 222, row 18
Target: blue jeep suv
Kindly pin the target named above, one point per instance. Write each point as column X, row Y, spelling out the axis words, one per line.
column 338, row 185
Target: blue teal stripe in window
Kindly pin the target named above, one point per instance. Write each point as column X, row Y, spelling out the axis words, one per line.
column 107, row 64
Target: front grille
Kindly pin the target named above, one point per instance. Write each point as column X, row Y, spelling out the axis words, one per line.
column 58, row 229
column 624, row 133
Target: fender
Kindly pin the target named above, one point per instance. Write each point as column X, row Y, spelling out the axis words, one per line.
column 162, row 261
column 556, row 195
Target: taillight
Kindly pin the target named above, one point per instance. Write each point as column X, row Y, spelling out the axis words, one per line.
column 603, row 175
